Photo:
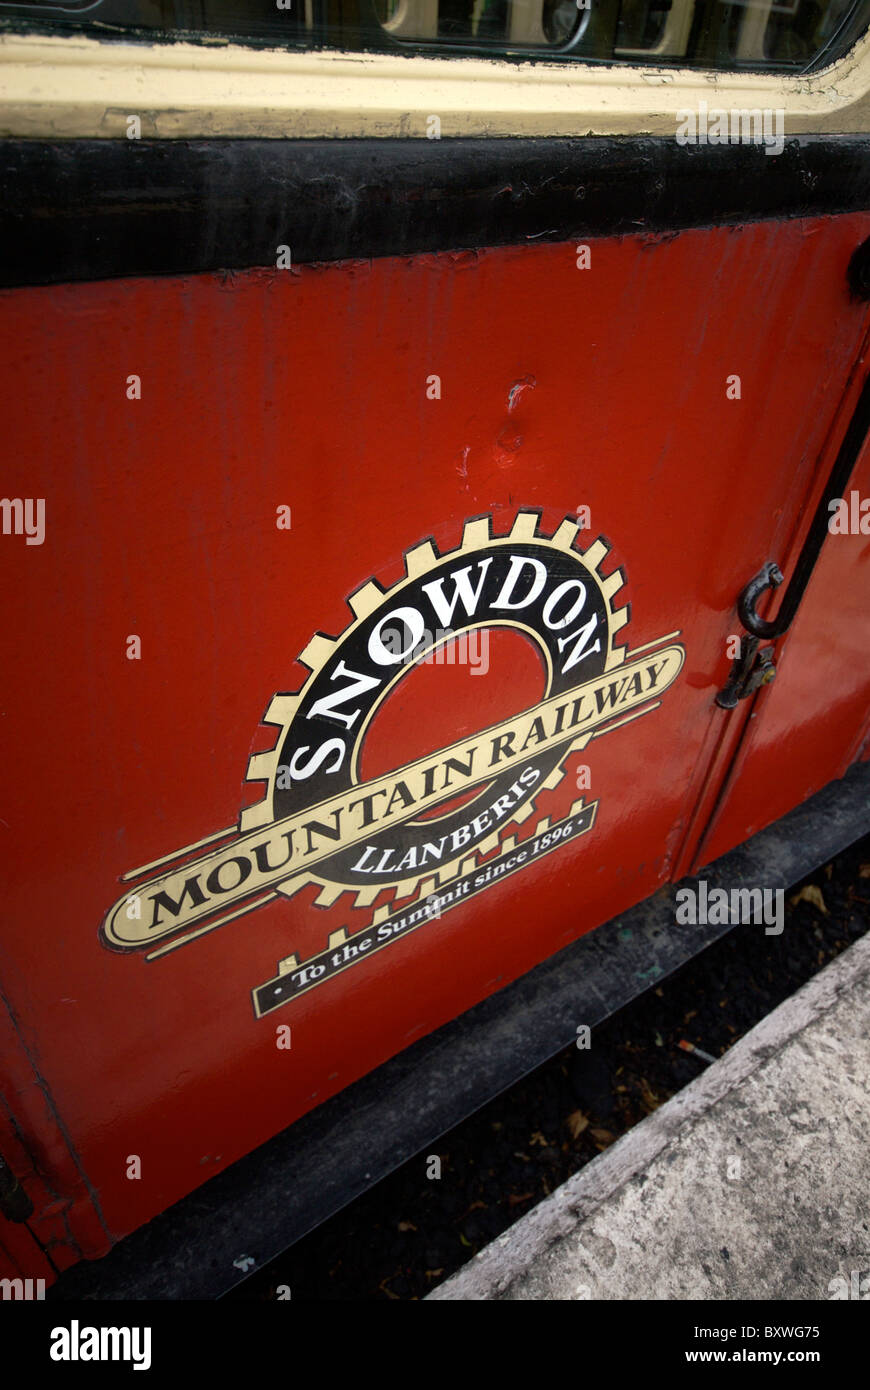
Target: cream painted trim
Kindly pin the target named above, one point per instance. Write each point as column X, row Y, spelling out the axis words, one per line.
column 81, row 87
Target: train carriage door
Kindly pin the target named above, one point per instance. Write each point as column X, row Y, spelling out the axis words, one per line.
column 396, row 400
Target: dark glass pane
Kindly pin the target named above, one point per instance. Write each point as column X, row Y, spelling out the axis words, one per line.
column 789, row 35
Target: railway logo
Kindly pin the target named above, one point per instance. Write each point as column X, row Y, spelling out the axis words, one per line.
column 421, row 829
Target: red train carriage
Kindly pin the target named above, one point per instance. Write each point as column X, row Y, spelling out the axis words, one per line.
column 435, row 520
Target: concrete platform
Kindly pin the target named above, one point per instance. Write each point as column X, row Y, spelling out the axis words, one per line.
column 752, row 1182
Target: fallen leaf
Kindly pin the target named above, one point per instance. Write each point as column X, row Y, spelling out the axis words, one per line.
column 407, row 1226
column 515, row 1198
column 538, row 1138
column 810, row 894
column 577, row 1122
column 864, row 871
column 649, row 1099
column 603, row 1137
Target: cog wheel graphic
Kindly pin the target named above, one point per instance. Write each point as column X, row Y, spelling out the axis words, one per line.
column 423, row 564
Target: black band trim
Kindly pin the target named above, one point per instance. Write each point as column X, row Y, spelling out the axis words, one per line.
column 97, row 209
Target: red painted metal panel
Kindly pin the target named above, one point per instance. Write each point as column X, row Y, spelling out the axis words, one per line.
column 66, row 1220
column 560, row 388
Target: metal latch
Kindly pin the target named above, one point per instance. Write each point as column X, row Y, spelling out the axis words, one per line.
column 14, row 1201
column 752, row 668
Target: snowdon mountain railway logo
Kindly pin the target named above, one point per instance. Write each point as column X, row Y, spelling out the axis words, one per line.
column 423, row 829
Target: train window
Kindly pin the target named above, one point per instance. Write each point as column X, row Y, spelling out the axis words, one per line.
column 789, row 35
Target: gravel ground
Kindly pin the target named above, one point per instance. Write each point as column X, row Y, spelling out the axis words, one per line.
column 410, row 1232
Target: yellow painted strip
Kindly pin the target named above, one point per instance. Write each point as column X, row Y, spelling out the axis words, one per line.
column 65, row 87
